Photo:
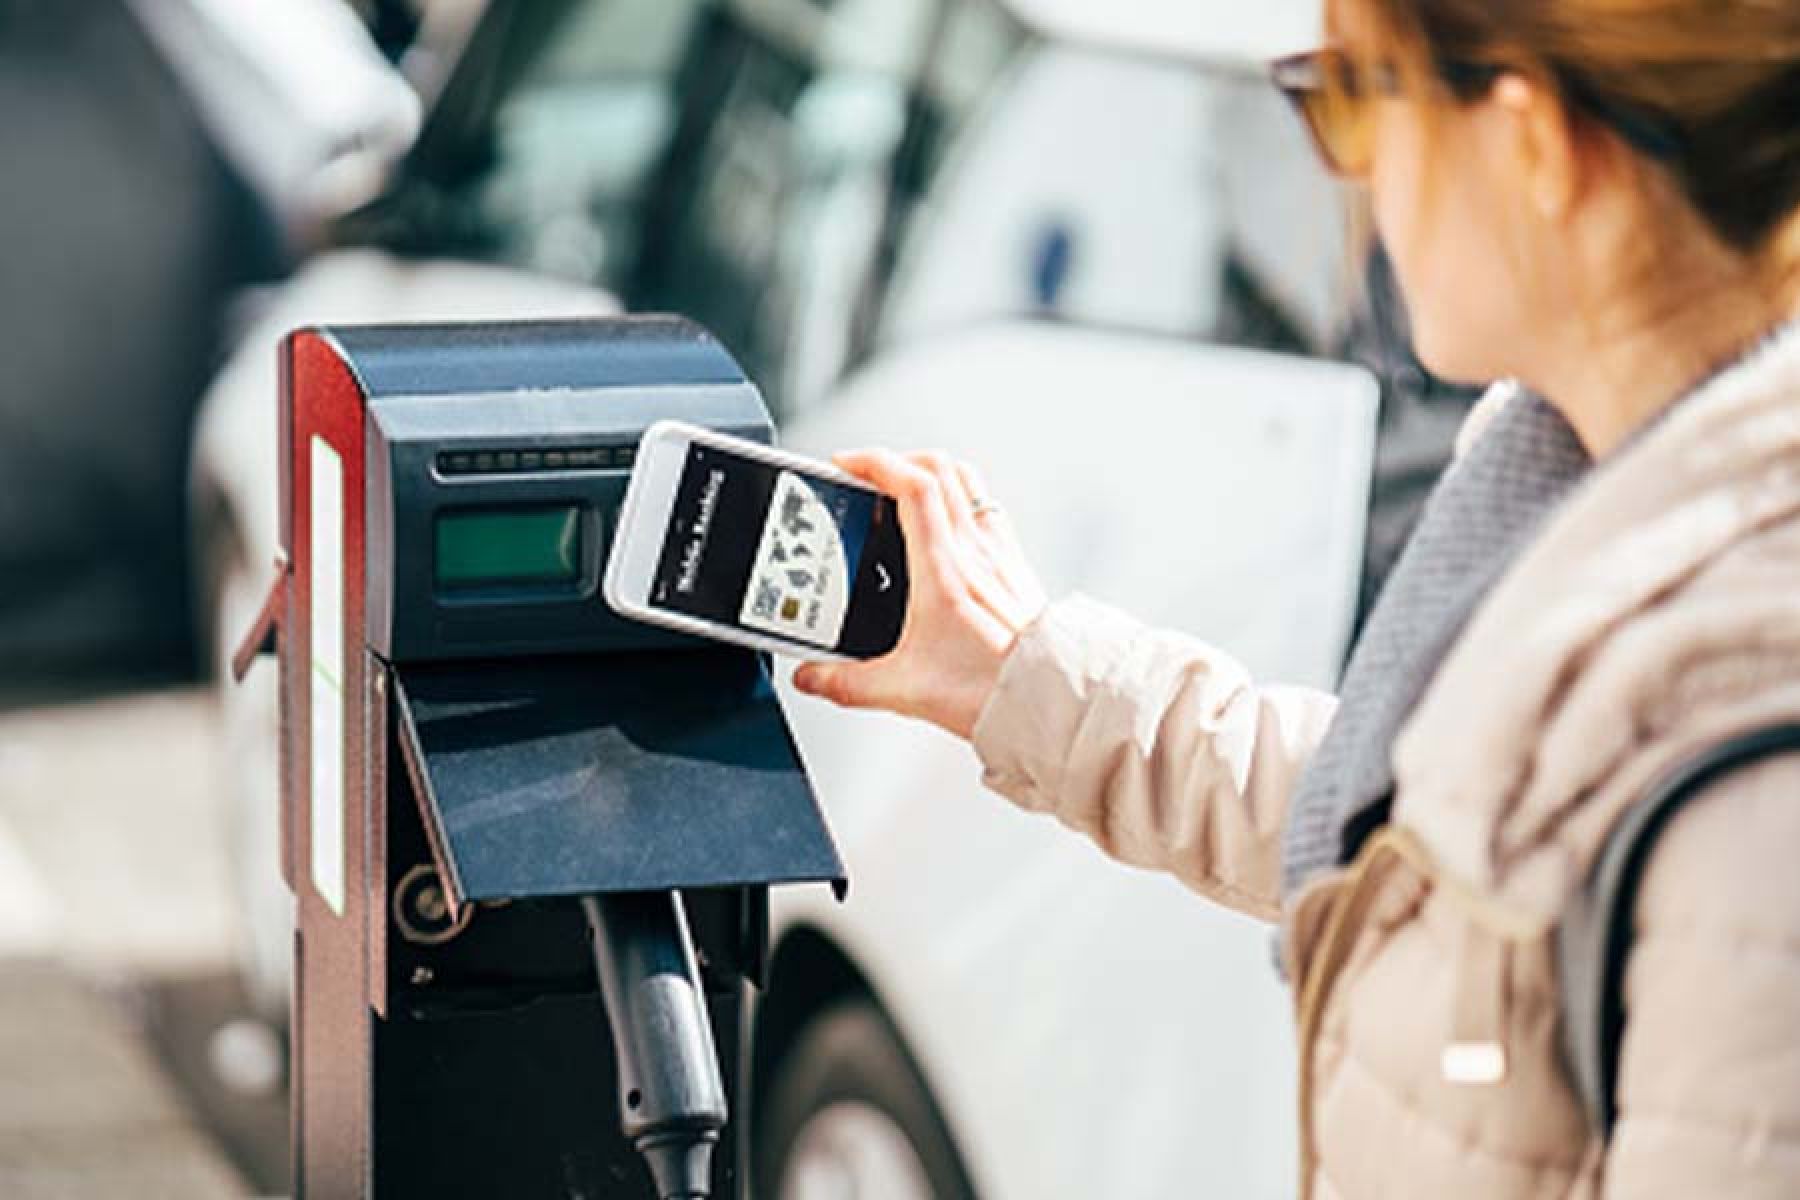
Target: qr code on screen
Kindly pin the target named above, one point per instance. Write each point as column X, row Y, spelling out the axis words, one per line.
column 766, row 600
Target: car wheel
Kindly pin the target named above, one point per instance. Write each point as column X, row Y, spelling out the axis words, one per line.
column 848, row 1117
column 249, row 729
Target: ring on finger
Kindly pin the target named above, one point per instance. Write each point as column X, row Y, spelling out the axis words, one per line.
column 981, row 506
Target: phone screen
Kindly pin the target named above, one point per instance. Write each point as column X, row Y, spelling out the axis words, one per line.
column 784, row 553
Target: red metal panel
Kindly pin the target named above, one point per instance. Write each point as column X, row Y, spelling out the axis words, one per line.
column 321, row 398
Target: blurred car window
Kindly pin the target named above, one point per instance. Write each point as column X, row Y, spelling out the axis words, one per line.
column 580, row 138
column 733, row 161
column 1120, row 191
column 775, row 235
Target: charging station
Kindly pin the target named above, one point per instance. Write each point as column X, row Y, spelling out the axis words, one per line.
column 530, row 842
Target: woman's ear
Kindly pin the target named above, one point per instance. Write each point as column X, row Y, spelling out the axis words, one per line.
column 1538, row 144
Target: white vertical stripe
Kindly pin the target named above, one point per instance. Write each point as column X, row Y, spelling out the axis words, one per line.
column 328, row 674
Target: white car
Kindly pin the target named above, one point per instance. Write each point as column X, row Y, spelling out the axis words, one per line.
column 1111, row 279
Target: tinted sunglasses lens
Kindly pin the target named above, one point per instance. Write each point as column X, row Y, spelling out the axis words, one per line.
column 1337, row 116
column 1347, row 124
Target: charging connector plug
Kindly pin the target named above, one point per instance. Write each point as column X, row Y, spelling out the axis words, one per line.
column 671, row 1095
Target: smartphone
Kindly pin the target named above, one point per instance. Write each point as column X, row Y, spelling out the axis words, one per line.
column 732, row 540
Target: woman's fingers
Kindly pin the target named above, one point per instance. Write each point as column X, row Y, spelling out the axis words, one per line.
column 872, row 466
column 976, row 489
column 950, row 481
column 978, row 571
column 969, row 553
column 924, row 515
column 970, row 595
column 1014, row 593
column 1002, row 541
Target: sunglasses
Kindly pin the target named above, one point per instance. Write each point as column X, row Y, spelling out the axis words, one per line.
column 1335, row 96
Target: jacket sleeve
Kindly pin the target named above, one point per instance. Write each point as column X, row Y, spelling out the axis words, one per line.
column 1155, row 745
column 1709, row 1072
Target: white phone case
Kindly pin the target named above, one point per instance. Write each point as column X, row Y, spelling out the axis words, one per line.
column 643, row 524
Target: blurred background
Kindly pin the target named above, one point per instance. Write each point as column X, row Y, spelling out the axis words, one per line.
column 913, row 221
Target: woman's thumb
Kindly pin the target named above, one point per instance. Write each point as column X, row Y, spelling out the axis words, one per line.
column 836, row 682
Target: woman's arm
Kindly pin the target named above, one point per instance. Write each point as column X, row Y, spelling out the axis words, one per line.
column 1157, row 746
column 1709, row 1072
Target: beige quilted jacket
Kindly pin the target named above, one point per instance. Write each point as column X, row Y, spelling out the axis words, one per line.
column 1657, row 612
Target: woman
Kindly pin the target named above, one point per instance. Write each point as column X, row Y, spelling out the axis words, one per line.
column 1599, row 199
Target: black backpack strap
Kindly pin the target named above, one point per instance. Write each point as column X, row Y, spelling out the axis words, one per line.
column 1594, row 938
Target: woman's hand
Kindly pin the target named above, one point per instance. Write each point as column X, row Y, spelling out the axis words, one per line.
column 970, row 592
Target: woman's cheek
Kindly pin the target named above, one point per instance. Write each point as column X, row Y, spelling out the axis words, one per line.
column 1395, row 200
column 1421, row 221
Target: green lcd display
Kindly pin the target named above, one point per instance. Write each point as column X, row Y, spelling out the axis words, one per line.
column 501, row 548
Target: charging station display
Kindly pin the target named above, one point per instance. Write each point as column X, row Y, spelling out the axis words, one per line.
column 508, row 547
column 771, row 550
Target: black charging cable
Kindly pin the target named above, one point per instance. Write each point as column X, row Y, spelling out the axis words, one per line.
column 671, row 1096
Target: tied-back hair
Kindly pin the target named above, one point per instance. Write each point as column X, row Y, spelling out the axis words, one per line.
column 1707, row 90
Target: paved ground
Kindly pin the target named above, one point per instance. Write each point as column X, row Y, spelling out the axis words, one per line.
column 114, row 802
column 85, row 1109
column 115, row 959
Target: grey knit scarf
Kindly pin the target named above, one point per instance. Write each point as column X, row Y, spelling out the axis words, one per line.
column 1478, row 518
